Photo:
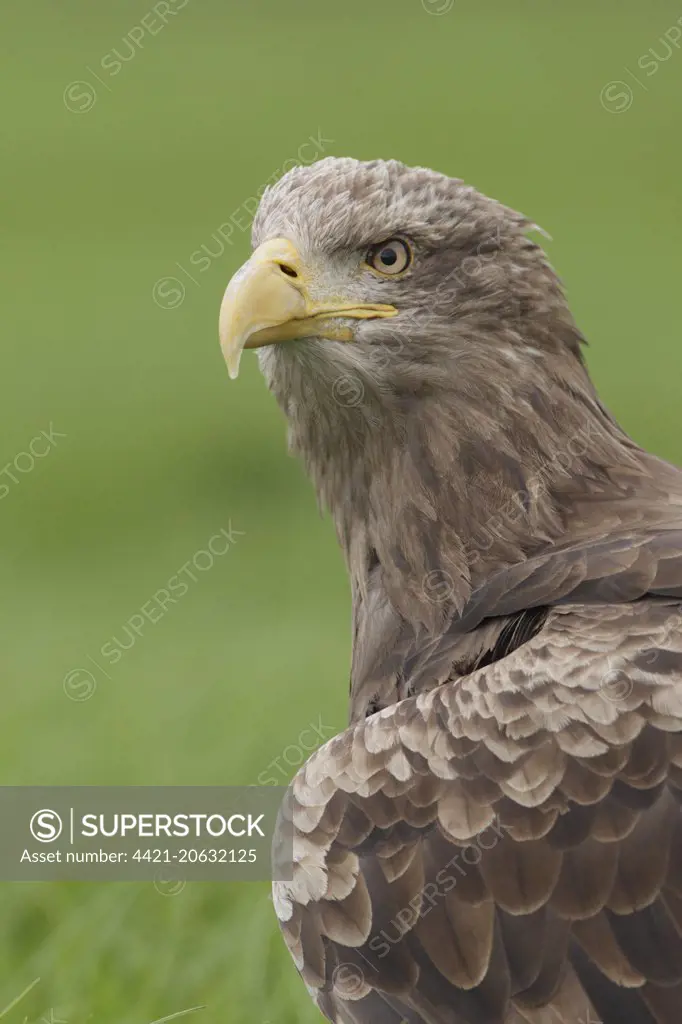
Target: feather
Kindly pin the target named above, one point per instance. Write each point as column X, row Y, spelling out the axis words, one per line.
column 496, row 838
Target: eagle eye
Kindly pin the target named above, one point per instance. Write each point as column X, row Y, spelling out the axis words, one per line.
column 390, row 258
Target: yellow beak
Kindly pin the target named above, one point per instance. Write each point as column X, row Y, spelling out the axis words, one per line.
column 267, row 301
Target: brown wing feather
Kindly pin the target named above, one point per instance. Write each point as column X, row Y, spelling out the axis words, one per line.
column 506, row 846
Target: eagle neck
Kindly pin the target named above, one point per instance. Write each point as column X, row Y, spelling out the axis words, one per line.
column 433, row 487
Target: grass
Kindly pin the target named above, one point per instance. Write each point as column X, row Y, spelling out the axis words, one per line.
column 161, row 451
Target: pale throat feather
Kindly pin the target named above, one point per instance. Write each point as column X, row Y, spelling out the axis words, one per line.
column 439, row 486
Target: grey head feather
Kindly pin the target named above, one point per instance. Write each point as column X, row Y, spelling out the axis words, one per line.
column 463, row 435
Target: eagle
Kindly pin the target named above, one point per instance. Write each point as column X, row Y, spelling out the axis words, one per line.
column 496, row 838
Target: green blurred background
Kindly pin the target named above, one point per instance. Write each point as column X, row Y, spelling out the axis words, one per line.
column 107, row 187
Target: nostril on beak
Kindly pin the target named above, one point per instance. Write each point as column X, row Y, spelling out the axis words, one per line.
column 286, row 269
